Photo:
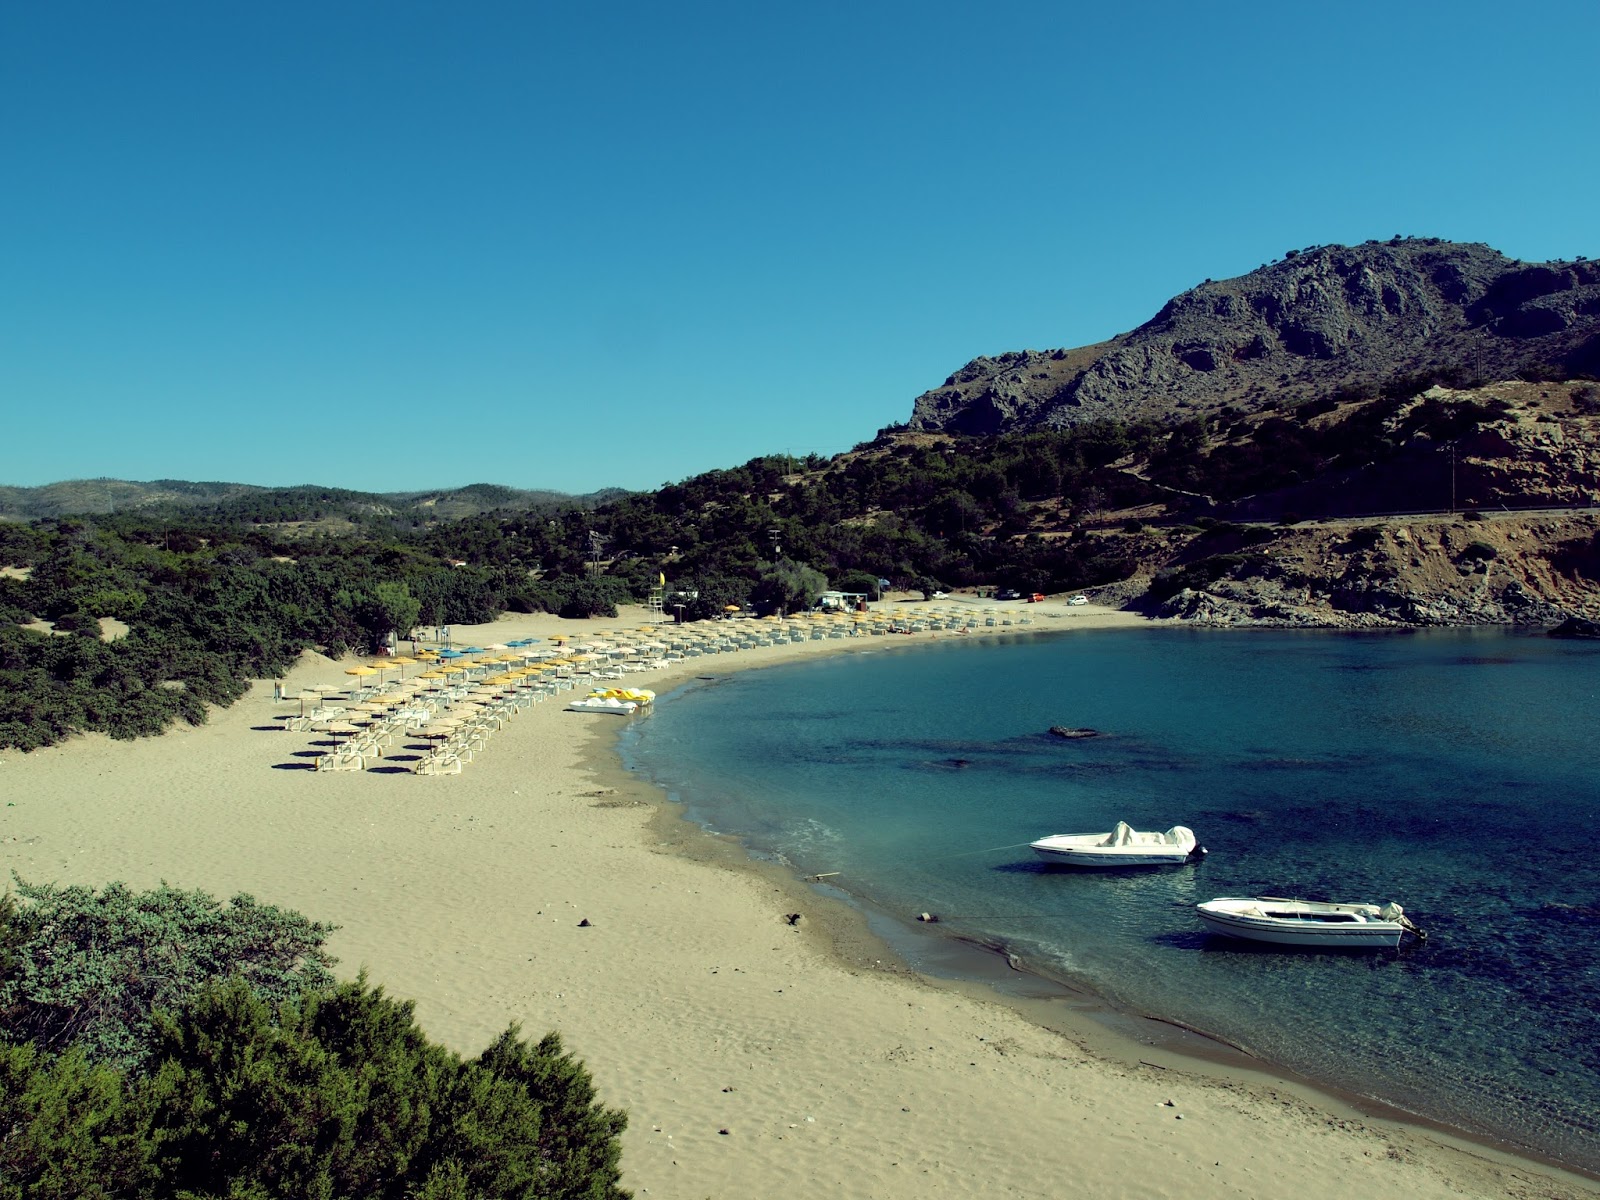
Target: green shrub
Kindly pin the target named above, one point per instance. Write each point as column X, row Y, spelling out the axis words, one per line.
column 87, row 968
column 337, row 1093
column 241, row 1071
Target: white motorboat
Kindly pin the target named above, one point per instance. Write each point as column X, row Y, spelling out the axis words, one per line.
column 1320, row 923
column 1124, row 846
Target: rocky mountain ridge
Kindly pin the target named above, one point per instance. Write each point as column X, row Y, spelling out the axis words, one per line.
column 1322, row 321
column 1513, row 537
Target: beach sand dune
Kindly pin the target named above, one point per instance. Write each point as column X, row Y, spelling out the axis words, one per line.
column 755, row 1057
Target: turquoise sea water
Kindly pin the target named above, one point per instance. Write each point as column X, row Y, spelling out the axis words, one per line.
column 1455, row 772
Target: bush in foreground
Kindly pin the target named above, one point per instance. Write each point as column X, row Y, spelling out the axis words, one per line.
column 237, row 1087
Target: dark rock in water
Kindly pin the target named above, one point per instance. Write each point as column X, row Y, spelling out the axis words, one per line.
column 1064, row 731
column 1577, row 627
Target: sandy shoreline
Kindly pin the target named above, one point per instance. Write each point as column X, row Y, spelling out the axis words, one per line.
column 752, row 1056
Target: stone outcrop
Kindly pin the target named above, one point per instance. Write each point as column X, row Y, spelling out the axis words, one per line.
column 1543, row 450
column 1510, row 569
column 1319, row 320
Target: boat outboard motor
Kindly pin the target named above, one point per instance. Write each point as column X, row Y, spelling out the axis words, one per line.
column 1393, row 912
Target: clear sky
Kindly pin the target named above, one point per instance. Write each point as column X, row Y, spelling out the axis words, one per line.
column 391, row 245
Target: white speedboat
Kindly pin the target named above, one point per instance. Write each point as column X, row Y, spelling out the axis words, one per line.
column 1307, row 922
column 1124, row 846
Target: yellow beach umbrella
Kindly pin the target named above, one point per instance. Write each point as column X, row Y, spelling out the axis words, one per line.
column 360, row 671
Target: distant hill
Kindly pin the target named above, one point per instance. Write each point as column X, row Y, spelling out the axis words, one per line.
column 1328, row 321
column 274, row 505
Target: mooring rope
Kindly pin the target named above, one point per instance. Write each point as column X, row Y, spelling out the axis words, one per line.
column 970, row 853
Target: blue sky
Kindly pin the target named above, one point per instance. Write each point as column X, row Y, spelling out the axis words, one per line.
column 393, row 245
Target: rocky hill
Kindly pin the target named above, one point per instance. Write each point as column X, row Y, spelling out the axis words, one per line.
column 1322, row 322
column 1441, row 570
column 1498, row 524
column 1517, row 542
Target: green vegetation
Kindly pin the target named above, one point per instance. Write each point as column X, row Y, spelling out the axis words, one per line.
column 235, row 586
column 87, row 969
column 162, row 1045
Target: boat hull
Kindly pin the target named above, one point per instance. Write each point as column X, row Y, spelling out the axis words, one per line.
column 1089, row 858
column 1303, row 931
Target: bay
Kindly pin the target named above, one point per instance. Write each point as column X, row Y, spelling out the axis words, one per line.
column 1452, row 771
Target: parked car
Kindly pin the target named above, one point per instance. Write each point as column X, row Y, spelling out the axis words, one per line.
column 1008, row 594
column 1080, row 598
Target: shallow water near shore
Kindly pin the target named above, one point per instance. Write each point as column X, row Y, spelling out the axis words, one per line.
column 1452, row 771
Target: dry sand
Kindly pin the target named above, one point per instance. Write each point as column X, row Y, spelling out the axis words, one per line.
column 754, row 1057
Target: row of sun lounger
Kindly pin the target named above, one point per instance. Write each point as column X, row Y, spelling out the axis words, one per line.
column 368, row 742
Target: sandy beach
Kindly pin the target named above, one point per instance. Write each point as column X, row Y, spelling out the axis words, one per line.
column 754, row 1057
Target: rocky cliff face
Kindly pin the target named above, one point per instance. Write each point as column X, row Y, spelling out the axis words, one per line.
column 1544, row 450
column 1322, row 319
column 1521, row 548
column 1507, row 569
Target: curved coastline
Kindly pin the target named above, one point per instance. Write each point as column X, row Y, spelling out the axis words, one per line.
column 864, row 935
column 752, row 1054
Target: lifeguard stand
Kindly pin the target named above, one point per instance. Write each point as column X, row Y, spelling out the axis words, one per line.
column 656, row 601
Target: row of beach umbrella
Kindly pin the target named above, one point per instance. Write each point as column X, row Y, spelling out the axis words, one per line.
column 640, row 641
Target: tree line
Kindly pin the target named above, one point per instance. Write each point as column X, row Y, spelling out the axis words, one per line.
column 215, row 597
